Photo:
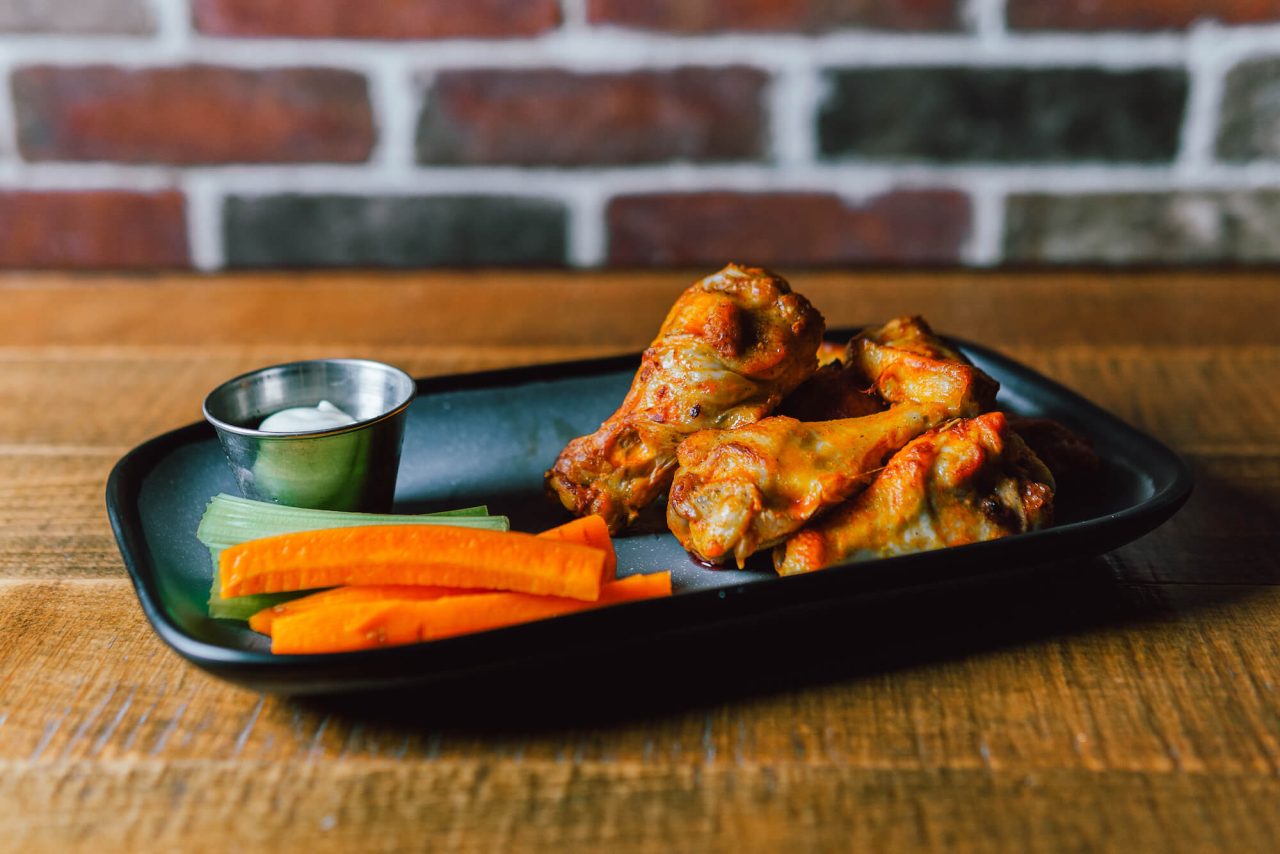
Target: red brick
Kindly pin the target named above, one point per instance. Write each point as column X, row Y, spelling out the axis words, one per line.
column 192, row 114
column 709, row 16
column 102, row 229
column 797, row 229
column 376, row 19
column 1134, row 14
column 553, row 117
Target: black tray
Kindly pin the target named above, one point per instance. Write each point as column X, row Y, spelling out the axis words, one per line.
column 486, row 438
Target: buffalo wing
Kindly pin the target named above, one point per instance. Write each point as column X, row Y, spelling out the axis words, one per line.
column 738, row 491
column 733, row 345
column 968, row 481
column 906, row 361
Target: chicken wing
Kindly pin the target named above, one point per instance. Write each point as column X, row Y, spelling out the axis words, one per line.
column 751, row 488
column 733, row 345
column 738, row 491
column 968, row 481
column 908, row 362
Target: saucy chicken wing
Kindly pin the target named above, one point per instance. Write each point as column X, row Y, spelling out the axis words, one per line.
column 733, row 345
column 968, row 481
column 738, row 491
column 750, row 488
column 908, row 362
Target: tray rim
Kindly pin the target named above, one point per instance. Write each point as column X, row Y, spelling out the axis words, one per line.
column 808, row 591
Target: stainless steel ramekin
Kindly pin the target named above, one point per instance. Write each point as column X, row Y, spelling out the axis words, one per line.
column 345, row 468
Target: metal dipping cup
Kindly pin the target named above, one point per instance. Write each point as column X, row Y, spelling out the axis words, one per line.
column 341, row 468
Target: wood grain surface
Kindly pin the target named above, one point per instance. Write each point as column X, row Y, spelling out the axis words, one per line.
column 1128, row 702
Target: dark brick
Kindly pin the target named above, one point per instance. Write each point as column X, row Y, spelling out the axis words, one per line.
column 1250, row 113
column 811, row 16
column 1143, row 228
column 95, row 229
column 192, row 114
column 549, row 117
column 1134, row 14
column 1003, row 114
column 376, row 19
column 793, row 229
column 354, row 231
column 90, row 17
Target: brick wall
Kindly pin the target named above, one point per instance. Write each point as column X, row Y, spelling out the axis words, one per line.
column 262, row 133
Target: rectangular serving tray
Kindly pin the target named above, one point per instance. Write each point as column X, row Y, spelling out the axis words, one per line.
column 487, row 438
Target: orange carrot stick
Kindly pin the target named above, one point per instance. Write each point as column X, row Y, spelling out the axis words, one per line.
column 412, row 554
column 588, row 531
column 262, row 621
column 367, row 625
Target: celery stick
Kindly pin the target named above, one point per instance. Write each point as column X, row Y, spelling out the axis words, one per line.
column 236, row 502
column 478, row 510
column 244, row 607
column 230, row 520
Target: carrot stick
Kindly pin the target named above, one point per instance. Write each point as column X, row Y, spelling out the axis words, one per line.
column 588, row 531
column 441, row 555
column 367, row 625
column 262, row 621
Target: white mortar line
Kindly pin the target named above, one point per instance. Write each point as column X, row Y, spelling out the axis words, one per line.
column 605, row 49
column 204, row 222
column 587, row 239
column 792, row 102
column 848, row 178
column 1246, row 42
column 1206, row 70
column 573, row 15
column 173, row 27
column 87, row 176
column 985, row 246
column 987, row 19
column 394, row 100
column 584, row 200
column 8, row 113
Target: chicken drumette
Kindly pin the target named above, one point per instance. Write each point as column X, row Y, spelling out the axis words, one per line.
column 906, row 361
column 968, row 481
column 733, row 345
column 739, row 491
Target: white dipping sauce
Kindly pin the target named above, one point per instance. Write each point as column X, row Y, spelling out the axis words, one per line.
column 299, row 419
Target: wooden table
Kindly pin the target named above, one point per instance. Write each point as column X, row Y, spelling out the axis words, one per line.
column 1124, row 703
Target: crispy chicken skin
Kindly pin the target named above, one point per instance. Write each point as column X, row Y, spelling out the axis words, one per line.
column 738, row 491
column 828, row 352
column 913, row 334
column 968, row 481
column 733, row 345
column 908, row 362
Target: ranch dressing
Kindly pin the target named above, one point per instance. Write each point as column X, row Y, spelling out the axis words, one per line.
column 300, row 419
